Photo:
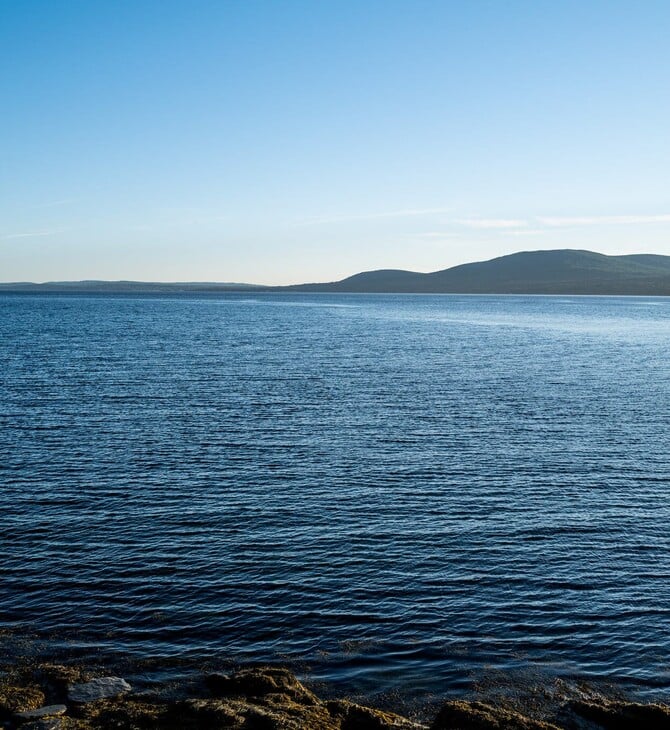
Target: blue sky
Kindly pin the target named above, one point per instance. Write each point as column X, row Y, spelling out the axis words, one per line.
column 278, row 142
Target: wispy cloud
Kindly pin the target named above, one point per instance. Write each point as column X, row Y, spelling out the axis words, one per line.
column 435, row 236
column 528, row 232
column 405, row 213
column 30, row 234
column 601, row 220
column 533, row 226
column 492, row 223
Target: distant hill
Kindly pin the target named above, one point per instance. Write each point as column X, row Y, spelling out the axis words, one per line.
column 564, row 271
column 125, row 287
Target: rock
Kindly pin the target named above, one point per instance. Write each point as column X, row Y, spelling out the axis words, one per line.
column 264, row 698
column 58, row 674
column 55, row 679
column 249, row 714
column 100, row 688
column 52, row 723
column 268, row 698
column 19, row 699
column 258, row 682
column 356, row 717
column 460, row 715
column 124, row 714
column 612, row 715
column 212, row 713
column 40, row 712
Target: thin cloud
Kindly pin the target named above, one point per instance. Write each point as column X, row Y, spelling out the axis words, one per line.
column 538, row 225
column 602, row 220
column 434, row 236
column 30, row 234
column 533, row 226
column 528, row 232
column 492, row 223
column 408, row 213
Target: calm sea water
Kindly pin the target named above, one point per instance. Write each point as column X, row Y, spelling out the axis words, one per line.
column 388, row 491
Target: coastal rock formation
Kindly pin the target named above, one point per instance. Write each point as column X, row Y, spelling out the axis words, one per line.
column 41, row 712
column 268, row 698
column 100, row 688
column 623, row 715
column 274, row 698
column 19, row 699
column 479, row 716
column 250, row 699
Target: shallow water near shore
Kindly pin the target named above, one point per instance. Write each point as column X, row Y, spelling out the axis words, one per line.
column 391, row 494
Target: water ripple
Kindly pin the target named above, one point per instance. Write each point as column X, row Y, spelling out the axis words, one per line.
column 391, row 489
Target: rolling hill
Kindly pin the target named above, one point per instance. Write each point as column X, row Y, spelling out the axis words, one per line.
column 95, row 286
column 563, row 271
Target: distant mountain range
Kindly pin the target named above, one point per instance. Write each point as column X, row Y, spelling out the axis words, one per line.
column 92, row 286
column 564, row 271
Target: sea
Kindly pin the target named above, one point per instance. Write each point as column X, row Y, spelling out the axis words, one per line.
column 399, row 496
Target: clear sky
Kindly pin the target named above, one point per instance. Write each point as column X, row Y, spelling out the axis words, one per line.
column 279, row 142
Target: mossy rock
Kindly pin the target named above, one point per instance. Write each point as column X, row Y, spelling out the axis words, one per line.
column 611, row 715
column 459, row 715
column 19, row 699
column 356, row 717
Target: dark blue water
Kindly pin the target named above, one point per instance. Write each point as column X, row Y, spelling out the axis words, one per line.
column 387, row 490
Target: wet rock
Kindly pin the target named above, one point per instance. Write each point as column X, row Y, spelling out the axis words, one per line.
column 210, row 713
column 55, row 679
column 356, row 717
column 624, row 715
column 268, row 698
column 52, row 723
column 41, row 712
column 58, row 674
column 258, row 682
column 124, row 714
column 460, row 715
column 270, row 713
column 98, row 689
column 19, row 699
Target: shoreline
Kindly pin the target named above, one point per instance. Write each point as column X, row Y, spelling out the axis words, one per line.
column 49, row 696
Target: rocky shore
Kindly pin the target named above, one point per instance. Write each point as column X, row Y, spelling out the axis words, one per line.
column 58, row 697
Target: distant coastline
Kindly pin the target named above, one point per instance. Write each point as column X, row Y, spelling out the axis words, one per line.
column 560, row 272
